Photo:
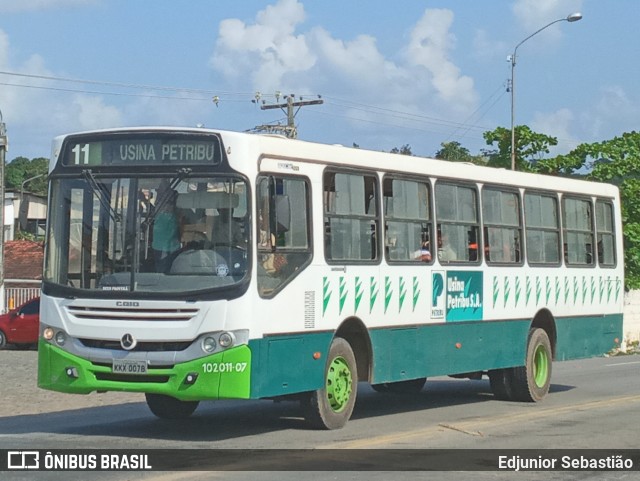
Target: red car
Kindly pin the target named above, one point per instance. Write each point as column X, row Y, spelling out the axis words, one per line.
column 21, row 325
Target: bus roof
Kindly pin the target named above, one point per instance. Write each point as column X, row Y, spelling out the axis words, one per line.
column 274, row 146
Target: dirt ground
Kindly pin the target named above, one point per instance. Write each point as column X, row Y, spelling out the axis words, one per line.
column 19, row 392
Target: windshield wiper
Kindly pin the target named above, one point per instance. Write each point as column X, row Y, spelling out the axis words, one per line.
column 166, row 195
column 101, row 194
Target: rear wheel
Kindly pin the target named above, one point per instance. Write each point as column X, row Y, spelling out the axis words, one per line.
column 167, row 407
column 410, row 386
column 500, row 382
column 331, row 406
column 3, row 340
column 531, row 382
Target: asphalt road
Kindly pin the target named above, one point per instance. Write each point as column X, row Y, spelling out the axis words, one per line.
column 593, row 404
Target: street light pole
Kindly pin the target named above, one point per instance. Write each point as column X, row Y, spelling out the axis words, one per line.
column 574, row 17
column 4, row 145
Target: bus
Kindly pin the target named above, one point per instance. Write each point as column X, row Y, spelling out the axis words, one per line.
column 193, row 264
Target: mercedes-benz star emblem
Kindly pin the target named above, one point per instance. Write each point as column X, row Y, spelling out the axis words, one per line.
column 128, row 342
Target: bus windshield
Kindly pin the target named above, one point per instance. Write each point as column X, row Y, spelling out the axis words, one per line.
column 150, row 234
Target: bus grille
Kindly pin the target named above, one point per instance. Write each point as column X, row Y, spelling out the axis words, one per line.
column 141, row 346
column 130, row 314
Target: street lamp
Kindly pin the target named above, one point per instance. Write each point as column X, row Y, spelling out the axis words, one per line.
column 574, row 17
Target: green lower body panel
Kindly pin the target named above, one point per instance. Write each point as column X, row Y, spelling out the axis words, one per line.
column 226, row 375
column 289, row 364
column 284, row 365
column 449, row 348
column 453, row 348
column 582, row 337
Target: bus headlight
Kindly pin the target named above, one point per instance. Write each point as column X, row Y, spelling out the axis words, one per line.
column 61, row 338
column 226, row 339
column 208, row 344
column 48, row 333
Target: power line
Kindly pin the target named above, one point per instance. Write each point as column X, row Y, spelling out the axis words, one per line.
column 290, row 129
column 124, row 85
column 216, row 97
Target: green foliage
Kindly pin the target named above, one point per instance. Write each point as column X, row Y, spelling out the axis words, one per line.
column 530, row 147
column 23, row 235
column 454, row 152
column 404, row 150
column 21, row 169
column 617, row 161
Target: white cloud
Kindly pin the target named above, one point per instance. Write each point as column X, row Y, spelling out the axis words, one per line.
column 614, row 109
column 274, row 53
column 31, row 110
column 558, row 124
column 486, row 48
column 269, row 48
column 12, row 6
column 429, row 47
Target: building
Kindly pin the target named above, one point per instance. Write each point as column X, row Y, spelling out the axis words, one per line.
column 22, row 271
column 23, row 212
column 26, row 212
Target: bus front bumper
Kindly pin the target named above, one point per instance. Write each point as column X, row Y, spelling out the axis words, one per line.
column 224, row 375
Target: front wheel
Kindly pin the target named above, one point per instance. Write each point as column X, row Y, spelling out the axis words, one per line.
column 530, row 383
column 3, row 340
column 167, row 407
column 331, row 406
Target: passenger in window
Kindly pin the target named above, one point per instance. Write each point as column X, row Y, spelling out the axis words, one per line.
column 445, row 251
column 166, row 229
column 424, row 253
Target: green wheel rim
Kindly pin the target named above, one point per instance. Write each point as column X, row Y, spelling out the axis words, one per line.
column 540, row 366
column 339, row 384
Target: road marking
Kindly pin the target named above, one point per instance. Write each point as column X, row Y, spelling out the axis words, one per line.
column 622, row 364
column 474, row 425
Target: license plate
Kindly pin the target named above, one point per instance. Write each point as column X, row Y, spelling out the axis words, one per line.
column 123, row 366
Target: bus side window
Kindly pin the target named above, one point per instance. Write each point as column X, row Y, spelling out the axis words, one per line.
column 283, row 231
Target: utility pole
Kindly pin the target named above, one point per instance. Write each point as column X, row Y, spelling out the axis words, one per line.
column 290, row 129
column 4, row 146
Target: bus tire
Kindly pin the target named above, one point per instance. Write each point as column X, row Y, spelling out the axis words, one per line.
column 331, row 406
column 500, row 381
column 167, row 407
column 530, row 383
column 411, row 386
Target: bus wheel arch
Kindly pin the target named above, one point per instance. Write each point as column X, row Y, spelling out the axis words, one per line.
column 545, row 320
column 356, row 334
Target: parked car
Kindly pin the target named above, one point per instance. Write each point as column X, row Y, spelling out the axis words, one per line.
column 21, row 326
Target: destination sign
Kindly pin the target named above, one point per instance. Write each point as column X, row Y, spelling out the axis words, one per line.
column 142, row 151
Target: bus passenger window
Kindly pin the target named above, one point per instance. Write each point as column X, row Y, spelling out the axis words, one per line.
column 407, row 214
column 283, row 232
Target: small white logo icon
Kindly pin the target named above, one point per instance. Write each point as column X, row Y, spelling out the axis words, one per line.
column 23, row 460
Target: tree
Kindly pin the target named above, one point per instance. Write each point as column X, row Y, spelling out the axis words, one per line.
column 453, row 151
column 404, row 150
column 21, row 169
column 617, row 161
column 530, row 147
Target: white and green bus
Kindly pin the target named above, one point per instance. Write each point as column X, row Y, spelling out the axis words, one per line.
column 192, row 264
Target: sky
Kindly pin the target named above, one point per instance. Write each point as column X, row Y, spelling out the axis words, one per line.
column 409, row 72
